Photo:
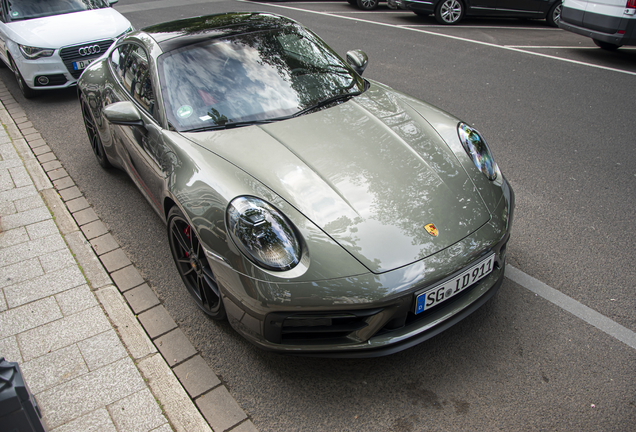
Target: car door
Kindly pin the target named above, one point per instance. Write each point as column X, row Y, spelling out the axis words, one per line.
column 520, row 6
column 140, row 146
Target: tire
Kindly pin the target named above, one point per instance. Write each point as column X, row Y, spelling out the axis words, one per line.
column 554, row 15
column 93, row 136
column 449, row 12
column 27, row 91
column 367, row 4
column 606, row 45
column 193, row 266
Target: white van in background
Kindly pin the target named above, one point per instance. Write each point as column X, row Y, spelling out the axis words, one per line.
column 610, row 23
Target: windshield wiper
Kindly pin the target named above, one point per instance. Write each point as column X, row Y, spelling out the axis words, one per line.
column 231, row 125
column 328, row 101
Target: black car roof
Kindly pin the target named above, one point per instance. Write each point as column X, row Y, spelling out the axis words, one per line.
column 175, row 34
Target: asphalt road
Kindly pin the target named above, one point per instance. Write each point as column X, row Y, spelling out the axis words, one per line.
column 558, row 114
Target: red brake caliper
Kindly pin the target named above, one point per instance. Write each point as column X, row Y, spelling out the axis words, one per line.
column 186, row 231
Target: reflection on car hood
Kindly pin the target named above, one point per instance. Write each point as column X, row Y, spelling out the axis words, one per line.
column 371, row 173
column 69, row 29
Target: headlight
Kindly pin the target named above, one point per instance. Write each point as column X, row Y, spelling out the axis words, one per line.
column 476, row 147
column 263, row 233
column 128, row 30
column 32, row 53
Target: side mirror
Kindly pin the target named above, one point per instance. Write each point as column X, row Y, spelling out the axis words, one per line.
column 123, row 113
column 358, row 60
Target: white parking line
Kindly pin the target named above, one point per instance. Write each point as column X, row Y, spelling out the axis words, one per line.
column 577, row 309
column 450, row 37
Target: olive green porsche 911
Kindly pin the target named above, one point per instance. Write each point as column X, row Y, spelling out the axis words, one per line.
column 319, row 212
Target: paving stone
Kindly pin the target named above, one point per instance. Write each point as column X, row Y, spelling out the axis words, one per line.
column 43, row 148
column 27, row 317
column 55, row 261
column 175, row 347
column 85, row 216
column 246, row 426
column 95, row 421
column 129, row 329
column 9, row 349
column 12, row 238
column 55, row 174
column 20, row 176
column 43, row 286
column 127, row 278
column 196, row 376
column 70, row 193
column 156, row 321
column 31, row 136
column 47, row 157
column 35, row 143
column 24, row 251
column 23, row 149
column 138, row 412
column 3, row 302
column 94, row 229
column 6, row 182
column 104, row 244
column 164, row 428
column 220, row 409
column 63, row 332
column 63, row 183
column 25, row 218
column 28, row 131
column 20, row 272
column 65, row 223
column 77, row 204
column 18, row 193
column 24, row 125
column 76, row 300
column 114, row 260
column 42, row 229
column 7, row 208
column 141, row 298
column 92, row 266
column 29, row 203
column 40, row 179
column 102, row 349
column 54, row 368
column 51, row 165
column 178, row 407
column 89, row 392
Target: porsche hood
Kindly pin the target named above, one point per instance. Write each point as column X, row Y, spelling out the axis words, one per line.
column 371, row 173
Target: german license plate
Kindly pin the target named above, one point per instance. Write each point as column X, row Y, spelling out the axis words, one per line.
column 82, row 64
column 442, row 292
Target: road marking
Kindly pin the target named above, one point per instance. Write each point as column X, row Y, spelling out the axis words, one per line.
column 476, row 27
column 563, row 47
column 449, row 37
column 568, row 304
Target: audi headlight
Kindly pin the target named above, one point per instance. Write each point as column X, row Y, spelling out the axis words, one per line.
column 32, row 53
column 263, row 233
column 128, row 30
column 476, row 147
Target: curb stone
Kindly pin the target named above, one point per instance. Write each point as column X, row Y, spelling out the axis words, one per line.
column 110, row 274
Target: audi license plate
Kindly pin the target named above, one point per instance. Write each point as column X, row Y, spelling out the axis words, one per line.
column 82, row 64
column 441, row 293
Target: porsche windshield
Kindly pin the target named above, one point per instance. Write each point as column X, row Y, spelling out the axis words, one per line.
column 28, row 9
column 253, row 77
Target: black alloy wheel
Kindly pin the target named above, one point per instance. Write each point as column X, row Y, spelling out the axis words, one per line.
column 554, row 15
column 367, row 4
column 27, row 91
column 193, row 266
column 449, row 11
column 93, row 136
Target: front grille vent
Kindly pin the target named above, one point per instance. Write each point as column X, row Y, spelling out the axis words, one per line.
column 71, row 54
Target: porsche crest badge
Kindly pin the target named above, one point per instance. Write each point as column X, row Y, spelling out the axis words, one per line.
column 431, row 229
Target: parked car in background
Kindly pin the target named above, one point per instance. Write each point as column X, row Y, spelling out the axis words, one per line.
column 319, row 212
column 610, row 23
column 453, row 11
column 47, row 44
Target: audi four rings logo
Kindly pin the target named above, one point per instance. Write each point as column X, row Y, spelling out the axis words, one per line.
column 89, row 50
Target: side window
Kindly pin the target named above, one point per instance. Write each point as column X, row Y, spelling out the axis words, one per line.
column 130, row 64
